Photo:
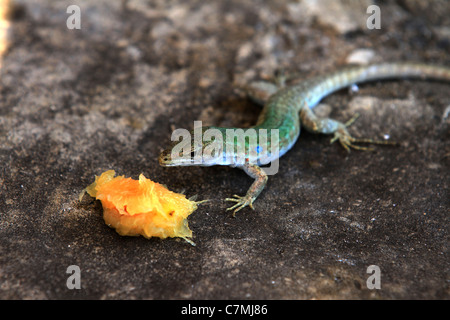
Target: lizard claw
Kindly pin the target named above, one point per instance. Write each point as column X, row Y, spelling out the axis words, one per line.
column 241, row 202
column 347, row 141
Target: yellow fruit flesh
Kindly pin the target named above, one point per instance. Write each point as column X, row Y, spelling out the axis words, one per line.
column 142, row 207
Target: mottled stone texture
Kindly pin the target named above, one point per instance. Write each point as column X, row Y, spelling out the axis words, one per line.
column 74, row 103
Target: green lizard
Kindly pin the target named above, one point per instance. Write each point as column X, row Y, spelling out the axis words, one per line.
column 286, row 109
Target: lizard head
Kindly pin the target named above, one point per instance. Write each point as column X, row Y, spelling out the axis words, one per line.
column 171, row 158
column 188, row 152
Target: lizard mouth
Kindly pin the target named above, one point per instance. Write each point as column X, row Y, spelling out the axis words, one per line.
column 165, row 159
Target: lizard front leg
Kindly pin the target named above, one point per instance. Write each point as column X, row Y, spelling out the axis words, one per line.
column 253, row 192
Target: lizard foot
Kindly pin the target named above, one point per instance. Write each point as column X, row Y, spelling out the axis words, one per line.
column 241, row 202
column 347, row 141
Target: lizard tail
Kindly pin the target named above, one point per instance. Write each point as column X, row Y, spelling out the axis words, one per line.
column 323, row 86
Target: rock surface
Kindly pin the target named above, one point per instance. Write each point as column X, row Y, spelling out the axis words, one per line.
column 77, row 102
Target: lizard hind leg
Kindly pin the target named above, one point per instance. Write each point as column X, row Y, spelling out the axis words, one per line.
column 329, row 126
column 347, row 141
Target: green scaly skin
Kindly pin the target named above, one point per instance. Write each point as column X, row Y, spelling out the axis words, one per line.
column 290, row 107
